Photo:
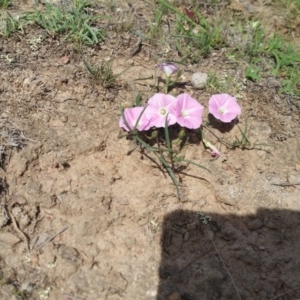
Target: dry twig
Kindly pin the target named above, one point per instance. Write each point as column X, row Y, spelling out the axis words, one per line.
column 276, row 297
column 49, row 239
column 195, row 259
column 72, row 297
column 137, row 46
column 18, row 230
column 286, row 184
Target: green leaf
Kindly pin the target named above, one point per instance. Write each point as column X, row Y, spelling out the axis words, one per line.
column 252, row 73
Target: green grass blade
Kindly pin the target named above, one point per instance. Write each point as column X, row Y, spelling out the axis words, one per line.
column 137, row 122
column 145, row 78
column 195, row 164
column 177, row 11
column 153, row 149
column 124, row 119
column 138, row 99
column 171, row 173
column 92, row 32
column 245, row 140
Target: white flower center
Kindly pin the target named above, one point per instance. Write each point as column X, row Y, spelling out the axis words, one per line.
column 184, row 113
column 163, row 111
column 222, row 110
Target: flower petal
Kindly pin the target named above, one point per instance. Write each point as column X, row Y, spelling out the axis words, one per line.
column 161, row 103
column 224, row 107
column 132, row 115
column 188, row 112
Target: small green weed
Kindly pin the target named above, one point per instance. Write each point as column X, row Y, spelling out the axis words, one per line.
column 252, row 72
column 4, row 4
column 155, row 26
column 196, row 39
column 266, row 55
column 111, row 4
column 78, row 26
column 244, row 143
column 286, row 63
column 123, row 22
column 102, row 73
column 290, row 9
column 285, row 55
column 290, row 83
column 217, row 83
column 189, row 32
column 241, row 142
column 10, row 24
column 223, row 83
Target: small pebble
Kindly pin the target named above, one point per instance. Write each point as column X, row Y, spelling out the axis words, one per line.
column 9, row 238
column 186, row 236
column 255, row 224
column 199, row 80
column 152, row 292
column 174, row 296
column 64, row 119
column 24, row 220
column 64, row 60
column 34, row 259
column 202, row 202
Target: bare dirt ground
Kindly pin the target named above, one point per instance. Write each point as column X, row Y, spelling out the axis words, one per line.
column 81, row 219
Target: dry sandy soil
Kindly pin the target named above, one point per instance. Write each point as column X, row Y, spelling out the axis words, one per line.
column 82, row 219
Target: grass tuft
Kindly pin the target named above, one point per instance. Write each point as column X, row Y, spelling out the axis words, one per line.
column 10, row 24
column 102, row 73
column 75, row 22
column 4, row 4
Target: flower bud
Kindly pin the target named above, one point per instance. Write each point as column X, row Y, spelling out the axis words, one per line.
column 168, row 68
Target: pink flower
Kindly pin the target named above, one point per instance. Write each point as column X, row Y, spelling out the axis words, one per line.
column 224, row 107
column 168, row 68
column 188, row 112
column 159, row 106
column 131, row 116
column 214, row 151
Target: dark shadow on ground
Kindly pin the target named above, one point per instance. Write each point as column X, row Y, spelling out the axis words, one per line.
column 221, row 126
column 260, row 254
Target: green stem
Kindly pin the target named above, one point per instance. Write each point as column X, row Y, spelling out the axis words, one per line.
column 167, row 84
column 171, row 173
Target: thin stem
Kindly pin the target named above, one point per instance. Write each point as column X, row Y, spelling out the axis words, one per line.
column 167, row 84
column 171, row 173
column 239, row 296
column 195, row 164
